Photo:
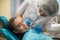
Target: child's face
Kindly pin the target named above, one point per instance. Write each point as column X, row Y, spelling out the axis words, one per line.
column 20, row 25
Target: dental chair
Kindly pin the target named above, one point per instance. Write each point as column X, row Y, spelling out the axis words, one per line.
column 4, row 31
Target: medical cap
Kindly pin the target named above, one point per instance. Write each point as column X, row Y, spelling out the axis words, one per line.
column 49, row 7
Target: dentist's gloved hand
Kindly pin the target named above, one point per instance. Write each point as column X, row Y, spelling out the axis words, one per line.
column 28, row 22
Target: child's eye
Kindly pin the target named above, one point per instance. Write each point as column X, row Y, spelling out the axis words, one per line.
column 22, row 21
column 19, row 24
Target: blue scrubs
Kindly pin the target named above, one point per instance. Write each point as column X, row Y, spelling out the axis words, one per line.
column 33, row 35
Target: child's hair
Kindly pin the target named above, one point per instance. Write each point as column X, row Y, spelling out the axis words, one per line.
column 11, row 24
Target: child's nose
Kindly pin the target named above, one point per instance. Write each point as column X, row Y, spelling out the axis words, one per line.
column 21, row 27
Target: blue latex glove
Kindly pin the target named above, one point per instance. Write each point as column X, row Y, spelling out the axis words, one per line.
column 28, row 22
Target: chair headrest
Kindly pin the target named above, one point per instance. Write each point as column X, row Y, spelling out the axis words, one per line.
column 4, row 21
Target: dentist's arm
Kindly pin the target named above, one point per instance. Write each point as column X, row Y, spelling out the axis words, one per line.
column 21, row 9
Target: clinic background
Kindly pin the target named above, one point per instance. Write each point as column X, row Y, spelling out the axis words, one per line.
column 8, row 7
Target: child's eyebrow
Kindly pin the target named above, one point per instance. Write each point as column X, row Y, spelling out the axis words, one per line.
column 18, row 24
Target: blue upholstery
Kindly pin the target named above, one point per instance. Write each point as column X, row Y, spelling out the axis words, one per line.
column 4, row 21
column 8, row 35
column 6, row 32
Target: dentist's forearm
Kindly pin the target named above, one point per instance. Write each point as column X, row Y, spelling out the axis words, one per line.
column 22, row 8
